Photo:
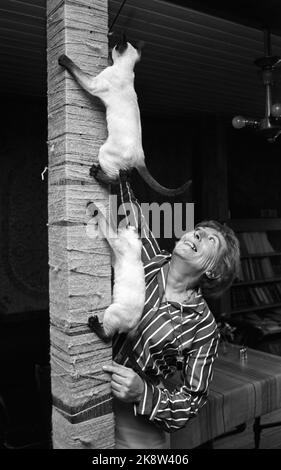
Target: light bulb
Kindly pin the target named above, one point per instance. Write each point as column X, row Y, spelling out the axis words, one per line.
column 239, row 122
column 276, row 110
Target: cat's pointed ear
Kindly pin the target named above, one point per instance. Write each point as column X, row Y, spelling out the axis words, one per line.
column 124, row 39
column 139, row 46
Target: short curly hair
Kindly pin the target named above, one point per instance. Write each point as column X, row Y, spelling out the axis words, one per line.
column 228, row 263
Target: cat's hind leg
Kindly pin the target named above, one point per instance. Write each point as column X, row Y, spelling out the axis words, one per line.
column 97, row 172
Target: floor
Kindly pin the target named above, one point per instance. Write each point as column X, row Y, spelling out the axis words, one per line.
column 270, row 438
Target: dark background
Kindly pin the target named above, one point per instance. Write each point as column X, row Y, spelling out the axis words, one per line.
column 187, row 133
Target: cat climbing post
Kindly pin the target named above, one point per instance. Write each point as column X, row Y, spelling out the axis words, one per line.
column 80, row 273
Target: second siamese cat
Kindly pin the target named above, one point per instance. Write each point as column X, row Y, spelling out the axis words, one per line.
column 123, row 314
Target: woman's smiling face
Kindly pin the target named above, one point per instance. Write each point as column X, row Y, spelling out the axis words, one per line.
column 201, row 248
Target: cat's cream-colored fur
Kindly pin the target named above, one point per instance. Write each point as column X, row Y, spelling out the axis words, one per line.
column 115, row 87
column 126, row 309
column 125, row 312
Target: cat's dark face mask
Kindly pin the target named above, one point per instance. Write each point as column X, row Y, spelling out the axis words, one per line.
column 122, row 45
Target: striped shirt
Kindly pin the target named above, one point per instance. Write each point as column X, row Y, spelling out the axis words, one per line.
column 164, row 329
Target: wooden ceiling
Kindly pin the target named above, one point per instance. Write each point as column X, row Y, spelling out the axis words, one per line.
column 23, row 47
column 254, row 13
column 192, row 60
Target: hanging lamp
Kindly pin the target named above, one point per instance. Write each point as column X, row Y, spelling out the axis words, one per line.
column 270, row 124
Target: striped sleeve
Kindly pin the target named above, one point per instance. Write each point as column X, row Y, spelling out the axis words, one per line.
column 172, row 410
column 130, row 210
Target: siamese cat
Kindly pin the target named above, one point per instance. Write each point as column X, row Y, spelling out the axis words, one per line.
column 124, row 313
column 115, row 87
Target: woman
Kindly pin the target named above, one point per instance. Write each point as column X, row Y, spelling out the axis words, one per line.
column 177, row 331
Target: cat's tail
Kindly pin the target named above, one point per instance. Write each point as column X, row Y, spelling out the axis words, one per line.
column 148, row 178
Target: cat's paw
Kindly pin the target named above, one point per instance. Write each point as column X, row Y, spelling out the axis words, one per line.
column 93, row 322
column 95, row 325
column 97, row 173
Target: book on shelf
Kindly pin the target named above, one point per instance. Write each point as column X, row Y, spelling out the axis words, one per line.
column 265, row 294
column 278, row 287
column 254, row 242
column 258, row 286
column 266, row 267
column 256, row 299
column 256, row 268
column 240, row 298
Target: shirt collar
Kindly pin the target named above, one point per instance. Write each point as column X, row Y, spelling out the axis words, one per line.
column 197, row 303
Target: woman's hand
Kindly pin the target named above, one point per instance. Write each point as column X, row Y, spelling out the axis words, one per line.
column 125, row 383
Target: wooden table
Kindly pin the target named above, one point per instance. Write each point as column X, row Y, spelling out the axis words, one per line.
column 239, row 392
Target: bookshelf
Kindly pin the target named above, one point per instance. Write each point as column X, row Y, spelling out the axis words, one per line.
column 255, row 298
column 259, row 284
